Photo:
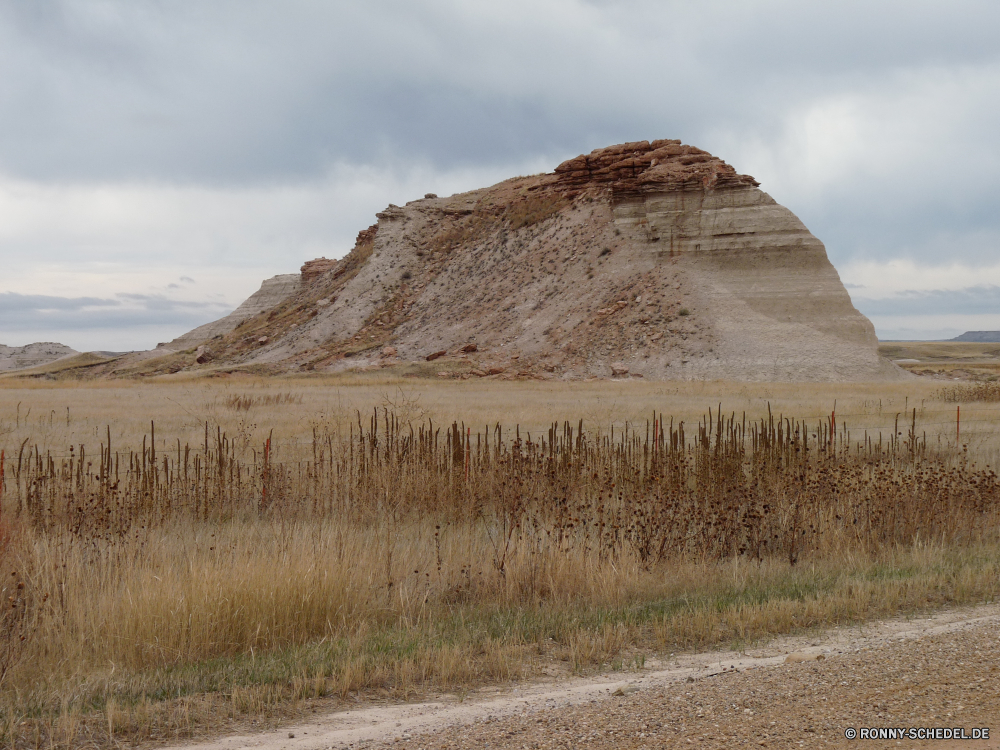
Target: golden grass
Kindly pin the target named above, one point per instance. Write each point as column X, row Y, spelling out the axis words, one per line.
column 185, row 637
column 169, row 585
column 964, row 360
column 182, row 399
column 181, row 405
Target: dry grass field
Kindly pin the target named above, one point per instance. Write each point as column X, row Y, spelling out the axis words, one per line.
column 185, row 556
column 965, row 360
column 65, row 412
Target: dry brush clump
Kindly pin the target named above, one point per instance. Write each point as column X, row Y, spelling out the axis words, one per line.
column 985, row 390
column 776, row 487
column 394, row 555
column 247, row 401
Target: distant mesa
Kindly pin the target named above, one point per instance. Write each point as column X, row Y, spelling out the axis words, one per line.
column 32, row 355
column 651, row 260
column 982, row 337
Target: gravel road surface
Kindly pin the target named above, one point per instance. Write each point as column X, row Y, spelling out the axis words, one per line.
column 941, row 671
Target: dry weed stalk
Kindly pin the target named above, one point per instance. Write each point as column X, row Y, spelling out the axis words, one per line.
column 774, row 487
column 984, row 390
column 399, row 554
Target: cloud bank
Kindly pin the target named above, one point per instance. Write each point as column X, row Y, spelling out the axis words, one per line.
column 233, row 140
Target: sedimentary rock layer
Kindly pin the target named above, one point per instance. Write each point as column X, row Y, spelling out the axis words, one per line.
column 645, row 259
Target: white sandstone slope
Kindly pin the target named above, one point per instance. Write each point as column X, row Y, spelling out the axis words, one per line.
column 775, row 304
column 273, row 291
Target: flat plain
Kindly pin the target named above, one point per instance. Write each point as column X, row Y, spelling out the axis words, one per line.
column 945, row 359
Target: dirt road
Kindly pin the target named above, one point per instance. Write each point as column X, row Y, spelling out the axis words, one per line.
column 926, row 673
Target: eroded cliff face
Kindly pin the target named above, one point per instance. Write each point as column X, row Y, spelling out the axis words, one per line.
column 775, row 304
column 644, row 259
column 272, row 292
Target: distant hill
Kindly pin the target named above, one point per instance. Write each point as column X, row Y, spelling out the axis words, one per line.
column 980, row 337
column 32, row 355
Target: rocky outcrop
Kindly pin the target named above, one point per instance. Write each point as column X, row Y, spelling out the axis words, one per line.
column 32, row 355
column 367, row 236
column 203, row 354
column 649, row 259
column 313, row 269
column 632, row 170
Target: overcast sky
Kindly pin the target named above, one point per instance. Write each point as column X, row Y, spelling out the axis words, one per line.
column 160, row 158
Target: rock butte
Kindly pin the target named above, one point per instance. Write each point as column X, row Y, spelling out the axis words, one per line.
column 652, row 260
column 32, row 355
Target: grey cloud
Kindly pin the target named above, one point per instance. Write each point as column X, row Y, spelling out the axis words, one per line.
column 12, row 303
column 247, row 92
column 159, row 302
column 27, row 312
column 239, row 90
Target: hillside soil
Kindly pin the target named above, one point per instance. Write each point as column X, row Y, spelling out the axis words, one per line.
column 803, row 691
